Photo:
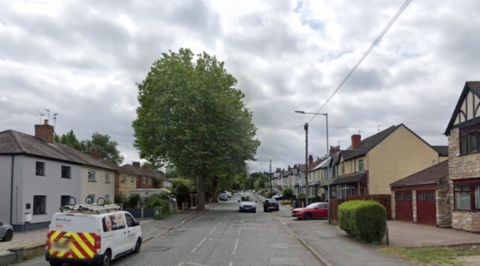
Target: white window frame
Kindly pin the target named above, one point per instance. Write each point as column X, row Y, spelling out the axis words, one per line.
column 107, row 178
column 91, row 175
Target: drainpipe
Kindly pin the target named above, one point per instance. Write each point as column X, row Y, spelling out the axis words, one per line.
column 11, row 192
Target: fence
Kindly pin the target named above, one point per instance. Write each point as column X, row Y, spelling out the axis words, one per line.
column 384, row 199
column 140, row 213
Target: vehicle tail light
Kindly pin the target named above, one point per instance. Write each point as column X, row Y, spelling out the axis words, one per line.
column 98, row 242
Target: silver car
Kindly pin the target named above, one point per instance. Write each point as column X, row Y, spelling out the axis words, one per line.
column 6, row 231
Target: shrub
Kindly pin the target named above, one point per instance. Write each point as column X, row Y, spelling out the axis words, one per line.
column 363, row 219
column 302, row 196
column 287, row 193
column 121, row 199
column 158, row 200
column 133, row 200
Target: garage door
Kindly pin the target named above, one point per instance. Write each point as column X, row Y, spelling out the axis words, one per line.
column 403, row 206
column 426, row 208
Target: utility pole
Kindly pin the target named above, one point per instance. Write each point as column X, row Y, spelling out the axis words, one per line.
column 306, row 163
column 270, row 177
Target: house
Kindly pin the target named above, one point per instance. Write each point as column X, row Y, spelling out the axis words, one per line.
column 423, row 197
column 146, row 178
column 463, row 133
column 39, row 176
column 315, row 177
column 372, row 164
column 36, row 178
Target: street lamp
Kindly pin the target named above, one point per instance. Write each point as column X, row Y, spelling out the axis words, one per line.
column 306, row 159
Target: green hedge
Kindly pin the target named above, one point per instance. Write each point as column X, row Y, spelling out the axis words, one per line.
column 363, row 219
column 158, row 201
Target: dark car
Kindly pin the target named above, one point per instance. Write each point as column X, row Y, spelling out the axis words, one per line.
column 270, row 205
column 6, row 231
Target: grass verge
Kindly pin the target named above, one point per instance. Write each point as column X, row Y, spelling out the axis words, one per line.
column 436, row 255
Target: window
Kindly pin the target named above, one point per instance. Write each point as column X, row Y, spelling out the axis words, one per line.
column 462, row 197
column 64, row 200
column 133, row 180
column 91, row 175
column 107, row 198
column 130, row 220
column 90, row 199
column 470, row 139
column 477, row 197
column 39, row 204
column 107, row 178
column 124, row 179
column 40, row 168
column 343, row 168
column 149, row 181
column 426, row 196
column 143, row 180
column 399, row 196
column 407, row 196
column 65, row 171
column 360, row 165
column 334, row 172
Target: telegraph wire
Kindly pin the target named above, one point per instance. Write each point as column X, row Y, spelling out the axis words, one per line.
column 375, row 42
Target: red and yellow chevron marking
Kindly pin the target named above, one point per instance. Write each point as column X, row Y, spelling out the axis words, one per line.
column 79, row 245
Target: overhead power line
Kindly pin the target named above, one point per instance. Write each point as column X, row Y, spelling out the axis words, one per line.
column 400, row 11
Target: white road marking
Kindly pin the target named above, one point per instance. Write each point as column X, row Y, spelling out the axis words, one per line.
column 212, row 230
column 197, row 264
column 235, row 248
column 181, row 263
column 239, row 230
column 231, row 263
column 199, row 244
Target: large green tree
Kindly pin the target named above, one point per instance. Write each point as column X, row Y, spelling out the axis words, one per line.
column 192, row 116
column 103, row 144
column 69, row 139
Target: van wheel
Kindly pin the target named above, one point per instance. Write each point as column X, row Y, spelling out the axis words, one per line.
column 8, row 236
column 137, row 246
column 107, row 257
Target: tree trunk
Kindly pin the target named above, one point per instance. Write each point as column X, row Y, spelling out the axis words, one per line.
column 201, row 193
column 214, row 189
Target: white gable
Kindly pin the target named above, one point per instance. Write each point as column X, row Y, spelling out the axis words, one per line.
column 469, row 109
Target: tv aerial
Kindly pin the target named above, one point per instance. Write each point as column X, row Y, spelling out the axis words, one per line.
column 41, row 115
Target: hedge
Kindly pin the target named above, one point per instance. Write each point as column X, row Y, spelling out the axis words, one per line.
column 363, row 219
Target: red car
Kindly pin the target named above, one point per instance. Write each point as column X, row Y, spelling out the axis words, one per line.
column 314, row 210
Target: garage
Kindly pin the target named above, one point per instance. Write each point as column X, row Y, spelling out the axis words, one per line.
column 403, row 206
column 422, row 198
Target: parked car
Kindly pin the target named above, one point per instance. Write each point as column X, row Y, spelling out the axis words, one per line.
column 247, row 205
column 6, row 231
column 278, row 196
column 98, row 233
column 229, row 194
column 223, row 197
column 314, row 210
column 270, row 205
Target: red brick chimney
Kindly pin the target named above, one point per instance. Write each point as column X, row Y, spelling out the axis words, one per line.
column 136, row 164
column 334, row 149
column 310, row 159
column 289, row 168
column 44, row 131
column 96, row 154
column 356, row 139
column 295, row 166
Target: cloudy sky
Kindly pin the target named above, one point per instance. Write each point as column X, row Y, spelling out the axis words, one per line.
column 82, row 59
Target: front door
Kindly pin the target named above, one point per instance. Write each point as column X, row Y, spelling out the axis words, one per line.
column 426, row 208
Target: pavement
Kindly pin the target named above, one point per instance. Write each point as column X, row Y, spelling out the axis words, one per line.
column 334, row 247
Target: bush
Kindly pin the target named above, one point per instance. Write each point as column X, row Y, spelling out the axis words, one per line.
column 121, row 199
column 287, row 193
column 158, row 200
column 302, row 196
column 363, row 219
column 133, row 200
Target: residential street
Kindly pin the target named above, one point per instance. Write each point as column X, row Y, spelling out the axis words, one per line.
column 221, row 236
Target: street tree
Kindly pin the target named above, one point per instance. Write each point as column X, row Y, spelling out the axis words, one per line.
column 192, row 117
column 103, row 144
column 69, row 139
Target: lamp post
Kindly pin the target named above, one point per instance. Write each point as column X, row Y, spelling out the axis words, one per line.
column 328, row 156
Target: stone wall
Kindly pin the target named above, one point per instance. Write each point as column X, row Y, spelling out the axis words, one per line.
column 462, row 167
column 394, row 216
column 443, row 203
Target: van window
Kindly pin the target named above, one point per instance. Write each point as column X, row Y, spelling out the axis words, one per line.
column 130, row 220
column 113, row 222
column 73, row 223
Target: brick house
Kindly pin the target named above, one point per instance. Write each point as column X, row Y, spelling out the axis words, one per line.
column 463, row 133
column 423, row 197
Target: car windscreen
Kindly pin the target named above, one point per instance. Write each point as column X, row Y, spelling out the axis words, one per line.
column 312, row 206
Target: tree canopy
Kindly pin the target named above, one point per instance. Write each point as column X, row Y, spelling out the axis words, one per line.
column 102, row 143
column 192, row 116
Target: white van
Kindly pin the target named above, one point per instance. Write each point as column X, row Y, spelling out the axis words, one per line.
column 91, row 234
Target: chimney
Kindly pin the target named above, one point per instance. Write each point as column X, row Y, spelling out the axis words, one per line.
column 335, row 149
column 356, row 139
column 44, row 131
column 96, row 154
column 310, row 159
column 136, row 164
column 289, row 168
column 295, row 166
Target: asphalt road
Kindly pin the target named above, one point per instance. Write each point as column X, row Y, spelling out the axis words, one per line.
column 221, row 236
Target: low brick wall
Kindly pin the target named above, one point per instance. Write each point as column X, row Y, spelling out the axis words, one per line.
column 8, row 259
column 468, row 221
